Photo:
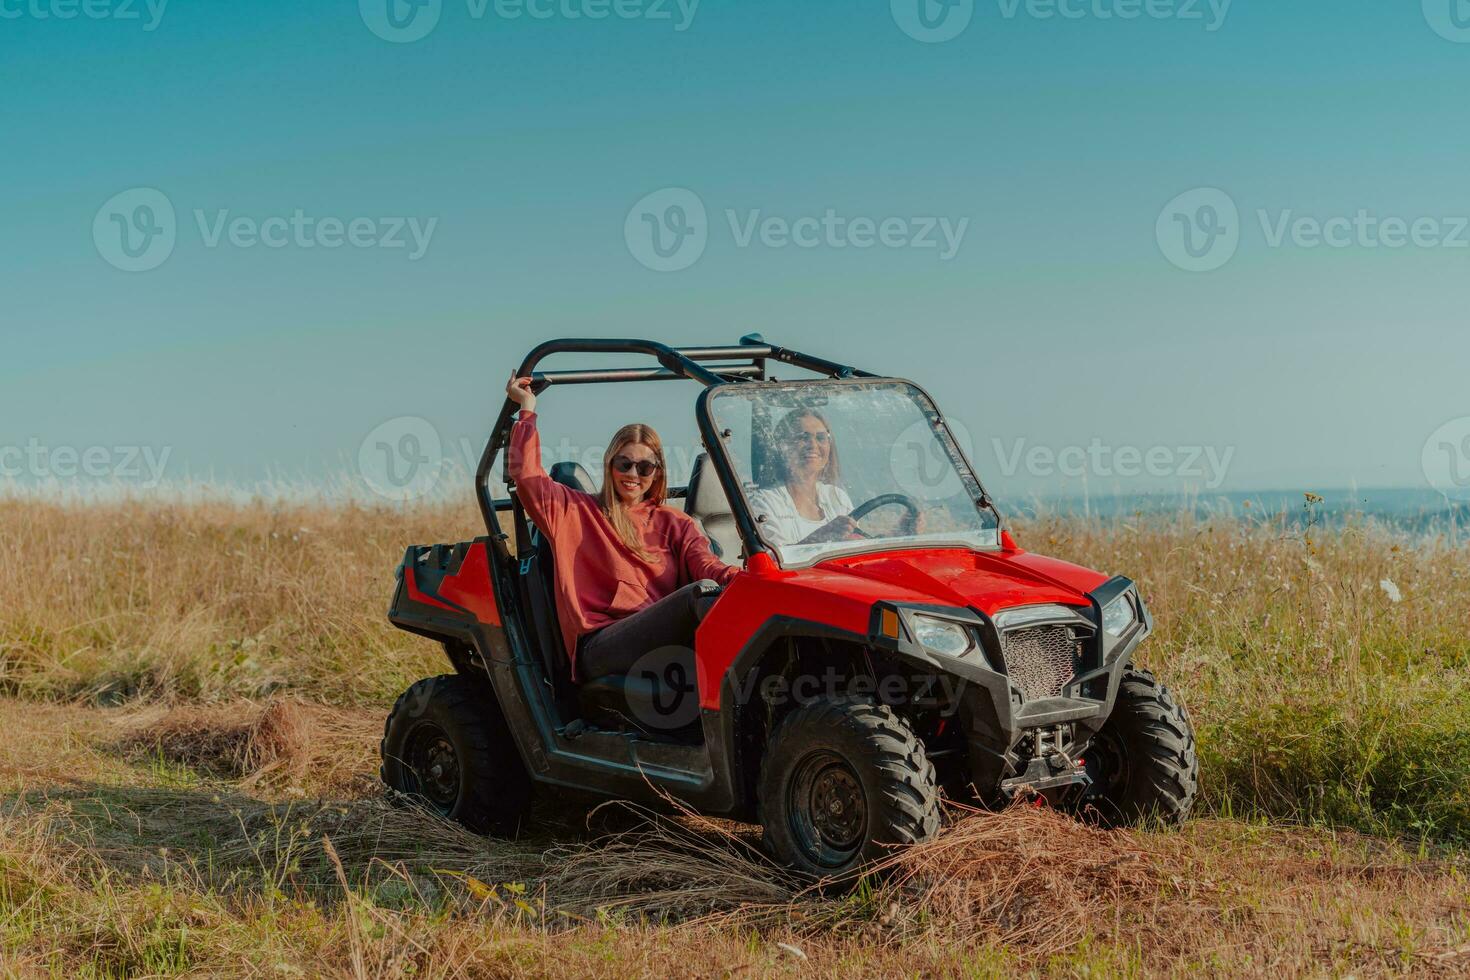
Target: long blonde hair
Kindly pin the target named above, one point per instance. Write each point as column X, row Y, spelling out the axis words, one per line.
column 617, row 514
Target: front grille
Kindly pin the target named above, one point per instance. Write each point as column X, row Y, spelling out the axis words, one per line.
column 1040, row 660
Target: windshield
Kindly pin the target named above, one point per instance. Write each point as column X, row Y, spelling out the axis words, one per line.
column 839, row 467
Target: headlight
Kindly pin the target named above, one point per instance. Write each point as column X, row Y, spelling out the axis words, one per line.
column 1026, row 615
column 942, row 636
column 1118, row 616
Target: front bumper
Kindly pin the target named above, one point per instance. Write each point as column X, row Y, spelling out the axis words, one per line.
column 1004, row 730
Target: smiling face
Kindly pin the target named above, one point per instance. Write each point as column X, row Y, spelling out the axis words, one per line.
column 630, row 486
column 808, row 449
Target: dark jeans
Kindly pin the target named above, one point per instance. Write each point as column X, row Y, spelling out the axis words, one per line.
column 666, row 627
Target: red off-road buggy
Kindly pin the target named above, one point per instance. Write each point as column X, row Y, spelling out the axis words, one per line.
column 840, row 685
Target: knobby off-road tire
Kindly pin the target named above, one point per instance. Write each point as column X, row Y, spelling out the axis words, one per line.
column 842, row 778
column 1143, row 761
column 446, row 747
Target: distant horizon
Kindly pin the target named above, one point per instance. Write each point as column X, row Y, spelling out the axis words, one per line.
column 452, row 485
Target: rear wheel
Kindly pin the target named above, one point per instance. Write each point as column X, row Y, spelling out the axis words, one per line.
column 446, row 747
column 1142, row 762
column 842, row 779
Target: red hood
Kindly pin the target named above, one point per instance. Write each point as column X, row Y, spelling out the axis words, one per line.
column 990, row 582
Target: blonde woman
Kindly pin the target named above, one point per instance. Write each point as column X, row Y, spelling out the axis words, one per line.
column 805, row 505
column 628, row 568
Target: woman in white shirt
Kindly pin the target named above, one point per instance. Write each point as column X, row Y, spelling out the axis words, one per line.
column 806, row 505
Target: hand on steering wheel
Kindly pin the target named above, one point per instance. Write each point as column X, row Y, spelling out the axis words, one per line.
column 913, row 521
column 842, row 528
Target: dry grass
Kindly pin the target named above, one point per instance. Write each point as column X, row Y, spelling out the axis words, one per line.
column 1317, row 695
column 223, row 816
column 128, row 877
column 206, row 601
column 286, row 744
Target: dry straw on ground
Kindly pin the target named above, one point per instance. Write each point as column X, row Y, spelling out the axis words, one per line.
column 1024, row 889
column 282, row 744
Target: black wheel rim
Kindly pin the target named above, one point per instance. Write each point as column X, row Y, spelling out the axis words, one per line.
column 1107, row 764
column 827, row 810
column 433, row 766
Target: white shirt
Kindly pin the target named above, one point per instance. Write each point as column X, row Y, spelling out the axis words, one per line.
column 783, row 524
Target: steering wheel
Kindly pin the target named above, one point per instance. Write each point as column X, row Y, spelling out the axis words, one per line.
column 887, row 500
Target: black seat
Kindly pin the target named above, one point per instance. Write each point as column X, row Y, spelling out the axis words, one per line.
column 707, row 504
column 537, row 581
column 659, row 696
column 573, row 475
column 656, row 703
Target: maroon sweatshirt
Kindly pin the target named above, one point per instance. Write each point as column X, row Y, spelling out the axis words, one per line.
column 599, row 580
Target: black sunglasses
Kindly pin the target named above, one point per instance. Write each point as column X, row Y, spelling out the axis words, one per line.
column 645, row 467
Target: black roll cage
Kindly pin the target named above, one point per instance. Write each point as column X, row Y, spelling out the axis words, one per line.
column 741, row 363
column 750, row 355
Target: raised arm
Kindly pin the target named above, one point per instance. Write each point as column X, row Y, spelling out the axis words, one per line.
column 545, row 500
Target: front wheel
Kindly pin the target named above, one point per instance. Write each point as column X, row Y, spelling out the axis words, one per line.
column 446, row 747
column 1142, row 762
column 844, row 779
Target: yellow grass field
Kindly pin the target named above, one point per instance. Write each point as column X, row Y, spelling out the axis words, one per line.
column 191, row 696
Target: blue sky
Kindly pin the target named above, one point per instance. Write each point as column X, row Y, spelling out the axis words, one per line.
column 518, row 146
